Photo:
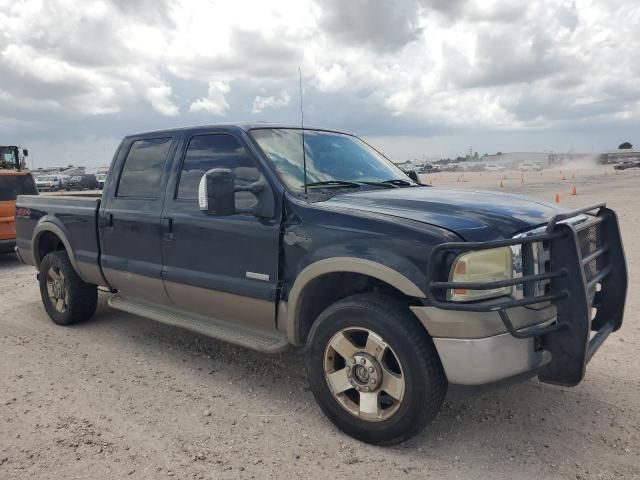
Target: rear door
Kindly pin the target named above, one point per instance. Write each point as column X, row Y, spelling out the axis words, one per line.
column 221, row 267
column 131, row 255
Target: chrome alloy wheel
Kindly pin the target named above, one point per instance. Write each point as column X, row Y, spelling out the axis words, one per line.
column 57, row 289
column 364, row 374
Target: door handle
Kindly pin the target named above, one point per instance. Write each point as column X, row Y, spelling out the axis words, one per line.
column 109, row 221
column 167, row 228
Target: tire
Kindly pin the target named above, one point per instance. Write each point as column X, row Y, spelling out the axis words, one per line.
column 407, row 358
column 59, row 282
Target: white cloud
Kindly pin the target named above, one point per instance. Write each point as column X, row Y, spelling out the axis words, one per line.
column 377, row 67
column 265, row 103
column 215, row 101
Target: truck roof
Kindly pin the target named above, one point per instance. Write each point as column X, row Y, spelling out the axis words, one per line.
column 231, row 127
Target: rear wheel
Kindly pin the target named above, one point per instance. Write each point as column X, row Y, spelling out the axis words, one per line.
column 374, row 370
column 66, row 297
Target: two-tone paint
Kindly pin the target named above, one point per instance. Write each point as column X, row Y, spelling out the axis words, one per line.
column 260, row 271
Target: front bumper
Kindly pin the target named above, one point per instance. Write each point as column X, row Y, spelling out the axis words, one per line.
column 587, row 283
column 478, row 361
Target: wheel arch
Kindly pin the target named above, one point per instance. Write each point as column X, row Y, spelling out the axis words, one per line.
column 49, row 237
column 304, row 301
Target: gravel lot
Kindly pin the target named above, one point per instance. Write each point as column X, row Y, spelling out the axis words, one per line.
column 124, row 397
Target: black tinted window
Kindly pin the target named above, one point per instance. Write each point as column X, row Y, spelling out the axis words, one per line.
column 13, row 185
column 143, row 167
column 217, row 151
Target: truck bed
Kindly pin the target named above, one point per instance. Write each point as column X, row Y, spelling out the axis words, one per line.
column 74, row 218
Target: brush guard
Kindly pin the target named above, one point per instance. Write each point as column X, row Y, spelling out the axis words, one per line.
column 587, row 273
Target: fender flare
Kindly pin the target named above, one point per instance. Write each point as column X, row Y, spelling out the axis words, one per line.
column 49, row 226
column 335, row 265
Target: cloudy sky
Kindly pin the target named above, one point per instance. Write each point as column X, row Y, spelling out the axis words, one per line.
column 415, row 77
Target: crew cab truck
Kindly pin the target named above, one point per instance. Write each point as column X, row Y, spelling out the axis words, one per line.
column 268, row 236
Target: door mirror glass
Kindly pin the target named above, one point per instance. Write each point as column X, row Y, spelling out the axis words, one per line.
column 217, row 195
column 25, row 152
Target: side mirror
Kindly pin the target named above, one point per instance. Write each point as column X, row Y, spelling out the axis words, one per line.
column 216, row 195
column 413, row 175
column 25, row 152
column 216, row 192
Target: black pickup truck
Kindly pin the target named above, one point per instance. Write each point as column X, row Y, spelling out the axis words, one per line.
column 395, row 288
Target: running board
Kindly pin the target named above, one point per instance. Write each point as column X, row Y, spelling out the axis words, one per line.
column 253, row 338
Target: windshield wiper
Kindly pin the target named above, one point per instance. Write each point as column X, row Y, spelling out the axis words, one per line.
column 334, row 183
column 381, row 184
column 398, row 182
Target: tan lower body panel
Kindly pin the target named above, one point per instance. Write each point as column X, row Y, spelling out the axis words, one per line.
column 233, row 308
column 264, row 340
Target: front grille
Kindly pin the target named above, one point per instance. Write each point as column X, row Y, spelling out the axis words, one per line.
column 589, row 240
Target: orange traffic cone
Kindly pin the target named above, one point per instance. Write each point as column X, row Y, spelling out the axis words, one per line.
column 501, row 184
column 573, row 191
column 557, row 198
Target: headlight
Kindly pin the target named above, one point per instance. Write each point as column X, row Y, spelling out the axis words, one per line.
column 481, row 266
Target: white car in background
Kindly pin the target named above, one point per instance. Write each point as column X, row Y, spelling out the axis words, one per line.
column 48, row 183
column 101, row 177
column 492, row 167
column 529, row 167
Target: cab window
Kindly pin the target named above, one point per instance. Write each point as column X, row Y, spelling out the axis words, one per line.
column 142, row 172
column 217, row 151
column 13, row 185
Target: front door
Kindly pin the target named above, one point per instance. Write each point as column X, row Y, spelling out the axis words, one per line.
column 220, row 267
column 131, row 254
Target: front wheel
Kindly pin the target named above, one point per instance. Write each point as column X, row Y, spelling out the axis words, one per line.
column 66, row 297
column 374, row 370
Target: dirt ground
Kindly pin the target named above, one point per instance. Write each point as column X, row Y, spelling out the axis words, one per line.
column 124, row 397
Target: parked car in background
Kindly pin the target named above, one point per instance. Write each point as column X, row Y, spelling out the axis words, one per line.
column 101, row 178
column 625, row 164
column 492, row 167
column 427, row 168
column 48, row 183
column 529, row 167
column 81, row 182
column 12, row 184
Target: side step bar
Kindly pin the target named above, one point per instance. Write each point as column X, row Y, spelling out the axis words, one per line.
column 254, row 338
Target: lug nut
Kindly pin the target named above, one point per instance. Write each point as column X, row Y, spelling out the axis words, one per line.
column 363, row 361
column 373, row 381
column 366, row 389
column 371, row 369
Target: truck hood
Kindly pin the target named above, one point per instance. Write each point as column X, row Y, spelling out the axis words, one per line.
column 475, row 215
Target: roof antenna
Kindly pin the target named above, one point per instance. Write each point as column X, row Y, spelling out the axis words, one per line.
column 304, row 154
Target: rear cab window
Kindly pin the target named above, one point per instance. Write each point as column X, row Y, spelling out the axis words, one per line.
column 141, row 175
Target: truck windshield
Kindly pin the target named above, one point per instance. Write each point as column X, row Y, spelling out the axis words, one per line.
column 332, row 158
